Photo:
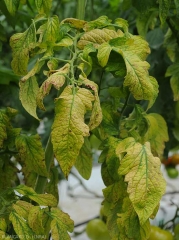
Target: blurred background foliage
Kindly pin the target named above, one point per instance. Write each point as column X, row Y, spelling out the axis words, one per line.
column 146, row 24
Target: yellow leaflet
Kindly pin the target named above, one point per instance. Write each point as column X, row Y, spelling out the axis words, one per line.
column 146, row 184
column 69, row 128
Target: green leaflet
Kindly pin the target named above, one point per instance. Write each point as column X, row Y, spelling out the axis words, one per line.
column 173, row 71
column 97, row 37
column 69, row 129
column 157, row 133
column 164, row 6
column 57, row 79
column 28, row 93
column 41, row 199
column 49, row 31
column 31, row 152
column 96, row 115
column 143, row 175
column 21, row 226
column 21, row 44
column 84, row 160
column 52, row 185
column 38, row 65
column 61, row 224
column 43, row 6
column 129, row 225
column 35, row 220
column 134, row 51
column 12, row 6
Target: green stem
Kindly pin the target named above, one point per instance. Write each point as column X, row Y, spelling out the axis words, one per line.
column 124, row 108
column 81, row 4
column 49, row 156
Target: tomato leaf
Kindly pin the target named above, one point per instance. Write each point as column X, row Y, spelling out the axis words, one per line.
column 84, row 160
column 28, row 94
column 31, row 151
column 164, row 6
column 22, row 208
column 35, row 220
column 12, row 6
column 157, row 133
column 21, row 44
column 69, row 129
column 61, row 224
column 41, row 199
column 43, row 6
column 143, row 175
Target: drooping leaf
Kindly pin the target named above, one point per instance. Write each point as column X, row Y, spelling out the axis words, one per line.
column 142, row 173
column 35, row 220
column 21, row 44
column 12, row 6
column 157, row 133
column 164, row 6
column 61, row 224
column 122, row 23
column 96, row 37
column 96, row 115
column 173, row 71
column 22, row 208
column 31, row 152
column 57, row 79
column 28, row 94
column 134, row 51
column 41, row 199
column 21, row 226
column 69, row 129
column 43, row 6
column 65, row 42
column 84, row 160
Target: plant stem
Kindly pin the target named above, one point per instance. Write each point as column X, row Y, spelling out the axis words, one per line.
column 49, row 156
column 81, row 4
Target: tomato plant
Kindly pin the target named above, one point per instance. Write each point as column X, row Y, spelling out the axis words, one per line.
column 95, row 82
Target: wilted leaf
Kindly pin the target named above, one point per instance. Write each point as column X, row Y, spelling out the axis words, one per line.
column 4, row 122
column 76, row 23
column 69, row 129
column 146, row 184
column 31, row 152
column 173, row 71
column 57, row 79
column 84, row 160
column 157, row 133
column 65, row 42
column 41, row 199
column 38, row 65
column 103, row 54
column 3, row 224
column 61, row 224
column 28, row 94
column 43, row 6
